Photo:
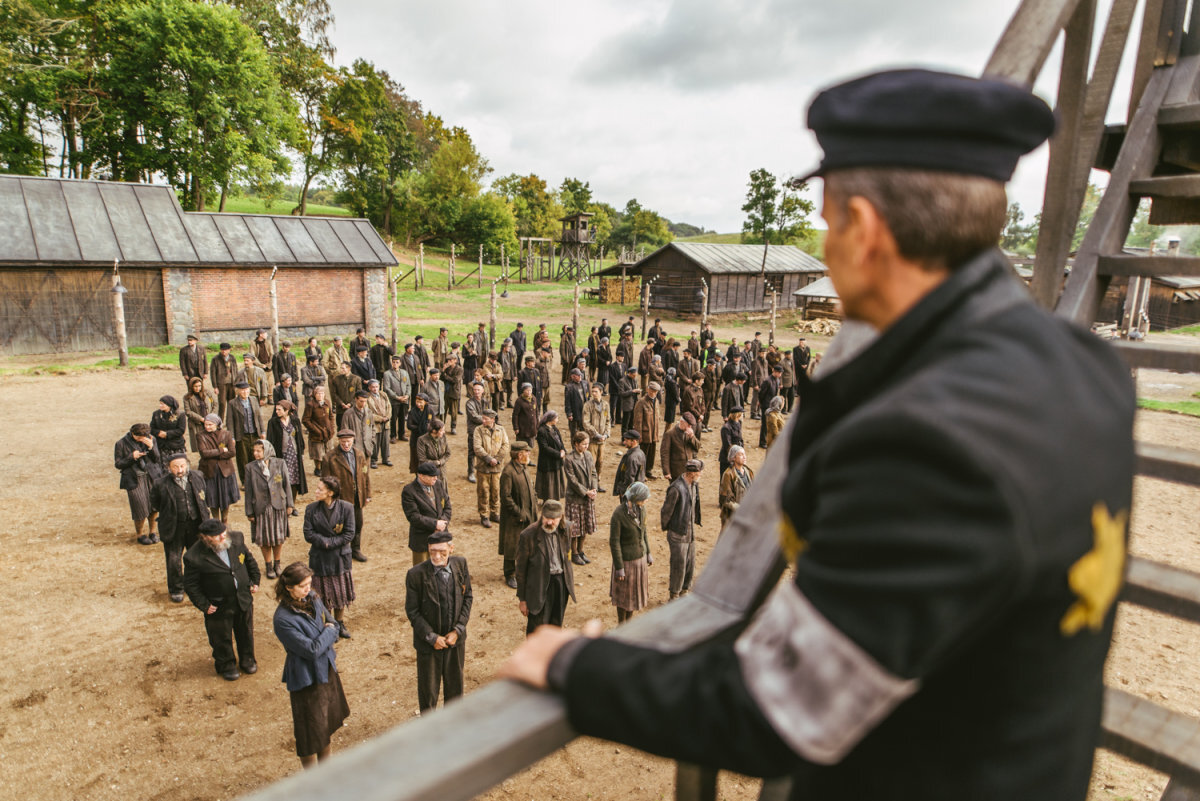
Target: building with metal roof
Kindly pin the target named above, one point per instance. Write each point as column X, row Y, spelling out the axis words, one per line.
column 736, row 278
column 184, row 271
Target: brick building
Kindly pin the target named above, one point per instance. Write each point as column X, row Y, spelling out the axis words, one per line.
column 184, row 271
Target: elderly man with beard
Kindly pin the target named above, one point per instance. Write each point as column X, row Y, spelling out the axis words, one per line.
column 178, row 497
column 438, row 605
column 221, row 578
column 545, row 578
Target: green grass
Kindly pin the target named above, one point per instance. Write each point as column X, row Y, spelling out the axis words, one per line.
column 1187, row 329
column 1190, row 408
column 255, row 205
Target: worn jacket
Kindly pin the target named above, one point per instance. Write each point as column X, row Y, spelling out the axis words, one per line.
column 221, row 370
column 235, row 419
column 645, row 419
column 681, row 509
column 580, row 471
column 490, row 442
column 677, row 447
column 517, row 505
column 627, row 538
column 335, row 465
column 193, row 361
column 525, row 418
column 396, row 385
column 631, row 468
column 630, row 392
column 166, row 500
column 213, row 457
column 423, row 606
column 284, row 363
column 335, row 358
column 209, row 582
column 308, row 643
column 732, row 490
column 267, row 491
column 436, row 450
column 329, row 530
column 150, row 463
column 423, row 510
column 197, row 407
column 319, row 421
column 596, row 422
column 533, row 564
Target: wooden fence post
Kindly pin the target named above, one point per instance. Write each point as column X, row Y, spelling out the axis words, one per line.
column 274, row 310
column 645, row 304
column 450, row 272
column 118, row 295
column 703, row 303
column 575, row 311
column 479, row 275
column 395, row 298
column 492, row 319
column 420, row 265
column 774, row 310
column 622, row 279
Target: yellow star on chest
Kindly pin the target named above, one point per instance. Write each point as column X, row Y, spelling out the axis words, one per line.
column 1096, row 577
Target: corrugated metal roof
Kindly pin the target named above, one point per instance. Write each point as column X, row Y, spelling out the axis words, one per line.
column 60, row 221
column 722, row 259
column 821, row 288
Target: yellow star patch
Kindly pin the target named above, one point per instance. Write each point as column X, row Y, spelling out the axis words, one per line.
column 1096, row 577
column 791, row 543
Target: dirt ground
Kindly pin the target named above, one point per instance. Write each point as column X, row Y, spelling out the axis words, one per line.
column 109, row 689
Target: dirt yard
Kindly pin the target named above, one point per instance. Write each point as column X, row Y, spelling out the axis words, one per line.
column 109, row 689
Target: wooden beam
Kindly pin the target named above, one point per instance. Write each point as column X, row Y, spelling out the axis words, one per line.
column 1149, row 265
column 1152, row 735
column 1028, row 39
column 1186, row 186
column 1168, row 463
column 1163, row 588
column 695, row 783
column 1110, row 225
column 1176, row 358
column 1180, row 116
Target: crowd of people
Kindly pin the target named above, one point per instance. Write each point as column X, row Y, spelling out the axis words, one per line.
column 241, row 435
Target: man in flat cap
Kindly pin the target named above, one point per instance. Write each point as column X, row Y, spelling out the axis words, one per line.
column 518, row 506
column 632, row 466
column 349, row 466
column 178, row 498
column 491, row 452
column 545, row 578
column 221, row 578
column 381, row 356
column 955, row 505
column 437, row 601
column 427, row 508
column 336, row 356
column 433, row 447
column 243, row 420
column 256, row 378
column 193, row 361
column 679, row 445
column 645, row 422
column 679, row 515
column 358, row 418
column 284, row 363
column 381, row 414
column 222, row 373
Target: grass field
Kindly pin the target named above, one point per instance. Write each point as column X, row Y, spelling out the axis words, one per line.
column 255, row 205
column 1190, row 408
column 715, row 239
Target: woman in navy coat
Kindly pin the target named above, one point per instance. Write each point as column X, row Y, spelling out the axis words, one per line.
column 308, row 632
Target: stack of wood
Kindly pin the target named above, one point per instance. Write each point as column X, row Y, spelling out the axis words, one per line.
column 822, row 327
column 610, row 290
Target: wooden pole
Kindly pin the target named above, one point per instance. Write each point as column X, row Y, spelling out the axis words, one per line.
column 118, row 295
column 479, row 275
column 575, row 311
column 492, row 318
column 420, row 264
column 645, row 304
column 703, row 303
column 274, row 310
column 622, row 280
column 774, row 311
column 503, row 265
column 450, row 272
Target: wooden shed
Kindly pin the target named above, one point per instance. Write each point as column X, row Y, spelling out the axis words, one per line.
column 734, row 273
column 185, row 272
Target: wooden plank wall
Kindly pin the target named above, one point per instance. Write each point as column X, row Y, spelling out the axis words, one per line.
column 56, row 311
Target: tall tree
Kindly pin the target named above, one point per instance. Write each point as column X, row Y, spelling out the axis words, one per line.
column 775, row 212
column 575, row 196
column 1018, row 236
column 536, row 210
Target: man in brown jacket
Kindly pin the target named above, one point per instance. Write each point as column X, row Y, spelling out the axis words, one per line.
column 221, row 372
column 193, row 361
column 645, row 422
column 433, row 447
column 318, row 421
column 349, row 467
column 517, row 507
column 452, row 380
column 491, row 450
column 335, row 356
column 342, row 389
column 678, row 446
column 645, row 362
column 597, row 425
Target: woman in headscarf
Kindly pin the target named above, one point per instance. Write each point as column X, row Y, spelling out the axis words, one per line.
column 217, row 452
column 629, row 587
column 320, row 420
column 329, row 528
column 283, row 432
column 268, row 503
column 167, row 426
column 197, row 404
column 551, row 480
column 774, row 420
column 137, row 457
column 303, row 626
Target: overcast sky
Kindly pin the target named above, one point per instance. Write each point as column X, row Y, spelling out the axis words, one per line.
column 672, row 102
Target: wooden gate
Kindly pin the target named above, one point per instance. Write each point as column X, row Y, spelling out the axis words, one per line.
column 62, row 310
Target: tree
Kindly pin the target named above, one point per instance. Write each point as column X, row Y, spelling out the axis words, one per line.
column 575, row 196
column 1017, row 236
column 775, row 212
column 638, row 224
column 487, row 220
column 535, row 209
column 432, row 203
column 189, row 93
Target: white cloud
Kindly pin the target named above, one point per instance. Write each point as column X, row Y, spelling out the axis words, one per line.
column 669, row 101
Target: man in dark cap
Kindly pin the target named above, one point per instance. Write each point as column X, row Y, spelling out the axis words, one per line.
column 221, row 375
column 627, row 395
column 193, row 361
column 545, row 578
column 358, row 418
column 632, row 466
column 437, row 601
column 433, row 447
column 529, row 375
column 381, row 356
column 422, row 355
column 243, row 421
column 573, row 401
column 517, row 507
column 284, row 363
column 956, row 555
column 679, row 445
column 311, row 374
column 680, row 514
column 260, row 354
column 426, row 506
column 221, row 578
column 645, row 421
column 517, row 336
column 349, row 467
column 178, row 497
column 491, row 445
column 360, row 362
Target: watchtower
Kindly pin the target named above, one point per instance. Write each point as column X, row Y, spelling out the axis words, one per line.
column 575, row 260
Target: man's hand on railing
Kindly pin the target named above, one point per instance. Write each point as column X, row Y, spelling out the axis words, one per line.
column 530, row 662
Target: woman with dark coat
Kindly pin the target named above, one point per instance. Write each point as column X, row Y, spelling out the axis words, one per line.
column 731, row 434
column 307, row 633
column 329, row 528
column 217, row 452
column 629, row 587
column 269, row 502
column 137, row 457
column 551, row 479
column 525, row 416
column 197, row 404
column 419, row 418
column 312, row 349
column 167, row 426
column 283, row 432
column 285, row 390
